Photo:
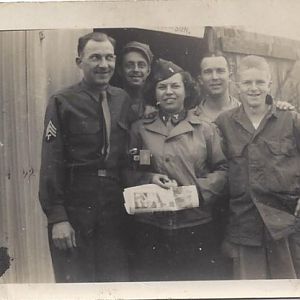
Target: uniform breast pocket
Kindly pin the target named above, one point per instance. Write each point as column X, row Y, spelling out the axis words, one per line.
column 282, row 167
column 237, row 170
column 83, row 137
column 84, row 127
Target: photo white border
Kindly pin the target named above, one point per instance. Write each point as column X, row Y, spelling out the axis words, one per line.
column 279, row 17
column 240, row 289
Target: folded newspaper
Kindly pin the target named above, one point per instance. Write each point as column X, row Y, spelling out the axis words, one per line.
column 152, row 198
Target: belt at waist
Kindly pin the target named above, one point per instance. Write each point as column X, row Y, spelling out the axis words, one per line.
column 106, row 173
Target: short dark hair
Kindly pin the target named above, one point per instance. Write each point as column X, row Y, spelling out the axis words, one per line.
column 95, row 36
column 192, row 91
column 216, row 53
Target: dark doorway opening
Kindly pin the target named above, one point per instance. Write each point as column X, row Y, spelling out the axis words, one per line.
column 185, row 51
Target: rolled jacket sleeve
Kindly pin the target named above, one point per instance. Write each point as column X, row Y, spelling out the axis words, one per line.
column 214, row 185
column 53, row 168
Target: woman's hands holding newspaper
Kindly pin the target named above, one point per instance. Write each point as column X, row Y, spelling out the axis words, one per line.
column 164, row 181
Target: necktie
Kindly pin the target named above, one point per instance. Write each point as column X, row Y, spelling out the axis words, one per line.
column 107, row 121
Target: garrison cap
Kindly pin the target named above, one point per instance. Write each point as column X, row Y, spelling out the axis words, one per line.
column 164, row 69
column 140, row 47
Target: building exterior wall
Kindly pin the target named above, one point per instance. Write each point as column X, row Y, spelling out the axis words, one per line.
column 33, row 65
column 281, row 53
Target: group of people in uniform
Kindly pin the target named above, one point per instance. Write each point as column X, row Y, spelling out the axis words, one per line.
column 243, row 155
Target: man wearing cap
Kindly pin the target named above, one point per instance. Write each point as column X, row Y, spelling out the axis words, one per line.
column 135, row 67
column 83, row 151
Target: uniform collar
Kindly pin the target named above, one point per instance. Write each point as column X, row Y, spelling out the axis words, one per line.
column 175, row 118
column 94, row 93
column 273, row 111
column 190, row 116
column 154, row 123
column 241, row 117
column 232, row 103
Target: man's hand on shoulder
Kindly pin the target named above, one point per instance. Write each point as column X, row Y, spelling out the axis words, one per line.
column 63, row 236
column 283, row 105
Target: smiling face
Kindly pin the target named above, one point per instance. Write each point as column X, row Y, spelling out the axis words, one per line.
column 97, row 62
column 254, row 85
column 170, row 93
column 214, row 75
column 135, row 68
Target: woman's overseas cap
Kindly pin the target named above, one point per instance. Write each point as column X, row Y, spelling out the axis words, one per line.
column 164, row 69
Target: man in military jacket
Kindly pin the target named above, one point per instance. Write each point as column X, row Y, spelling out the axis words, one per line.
column 262, row 146
column 83, row 152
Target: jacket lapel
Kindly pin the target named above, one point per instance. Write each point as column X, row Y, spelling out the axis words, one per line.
column 240, row 117
column 186, row 125
column 182, row 127
column 156, row 125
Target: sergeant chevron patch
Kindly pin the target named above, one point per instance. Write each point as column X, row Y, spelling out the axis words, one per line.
column 50, row 132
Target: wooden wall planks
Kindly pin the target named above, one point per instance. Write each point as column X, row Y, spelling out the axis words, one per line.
column 34, row 64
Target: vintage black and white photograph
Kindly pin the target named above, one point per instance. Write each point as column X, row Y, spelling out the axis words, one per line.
column 89, row 112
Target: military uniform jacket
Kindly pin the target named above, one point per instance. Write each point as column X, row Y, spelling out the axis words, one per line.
column 264, row 174
column 73, row 138
column 191, row 154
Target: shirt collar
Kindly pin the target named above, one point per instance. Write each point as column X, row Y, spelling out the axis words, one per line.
column 190, row 116
column 240, row 112
column 175, row 118
column 94, row 93
column 240, row 116
column 156, row 124
column 273, row 111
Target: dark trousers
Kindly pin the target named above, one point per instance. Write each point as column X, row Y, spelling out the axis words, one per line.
column 96, row 212
column 274, row 260
column 220, row 214
column 180, row 254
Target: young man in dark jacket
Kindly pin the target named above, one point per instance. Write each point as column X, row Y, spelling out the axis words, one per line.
column 262, row 145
